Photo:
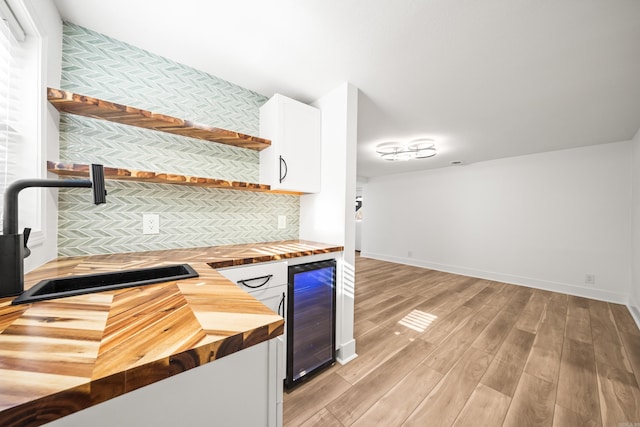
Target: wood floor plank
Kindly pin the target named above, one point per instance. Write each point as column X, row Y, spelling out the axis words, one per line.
column 556, row 312
column 377, row 346
column 442, row 406
column 619, row 396
column 578, row 320
column 353, row 403
column 631, row 341
column 602, row 322
column 579, row 301
column 361, row 327
column 431, row 304
column 322, row 418
column 488, row 312
column 368, row 308
column 298, row 406
column 399, row 402
column 495, row 333
column 486, row 407
column 577, row 382
column 607, row 344
column 481, row 298
column 520, row 299
column 623, row 319
column 505, row 370
column 532, row 403
column 532, row 313
column 459, row 292
column 546, row 352
column 503, row 294
column 395, row 310
column 425, row 286
column 443, row 326
column 446, row 355
column 563, row 417
column 383, row 302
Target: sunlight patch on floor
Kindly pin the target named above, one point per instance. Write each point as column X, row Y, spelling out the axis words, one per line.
column 417, row 320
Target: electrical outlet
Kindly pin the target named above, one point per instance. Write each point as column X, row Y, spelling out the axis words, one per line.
column 409, row 254
column 590, row 279
column 282, row 221
column 150, row 224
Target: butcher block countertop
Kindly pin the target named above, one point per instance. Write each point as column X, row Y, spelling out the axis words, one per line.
column 60, row 356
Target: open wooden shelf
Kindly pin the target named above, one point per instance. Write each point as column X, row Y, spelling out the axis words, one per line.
column 82, row 170
column 86, row 106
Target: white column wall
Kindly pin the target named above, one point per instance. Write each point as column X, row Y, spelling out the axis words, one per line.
column 329, row 216
column 542, row 220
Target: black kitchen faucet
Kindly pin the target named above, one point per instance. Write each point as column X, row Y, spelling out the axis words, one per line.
column 13, row 246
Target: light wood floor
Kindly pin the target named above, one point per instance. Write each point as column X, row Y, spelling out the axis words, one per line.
column 437, row 349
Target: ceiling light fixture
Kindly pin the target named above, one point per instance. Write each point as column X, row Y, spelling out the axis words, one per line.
column 416, row 149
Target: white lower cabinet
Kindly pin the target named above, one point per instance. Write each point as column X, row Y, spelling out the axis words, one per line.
column 267, row 282
column 229, row 392
column 277, row 354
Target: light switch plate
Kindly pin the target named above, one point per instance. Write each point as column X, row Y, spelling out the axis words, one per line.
column 282, row 221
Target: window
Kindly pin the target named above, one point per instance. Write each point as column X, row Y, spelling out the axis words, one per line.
column 20, row 83
column 8, row 134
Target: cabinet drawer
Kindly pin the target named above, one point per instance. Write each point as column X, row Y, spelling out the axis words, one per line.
column 257, row 277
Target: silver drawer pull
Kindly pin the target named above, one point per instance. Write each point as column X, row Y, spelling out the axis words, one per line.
column 265, row 278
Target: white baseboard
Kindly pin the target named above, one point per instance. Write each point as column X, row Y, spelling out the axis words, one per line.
column 634, row 309
column 564, row 288
column 347, row 352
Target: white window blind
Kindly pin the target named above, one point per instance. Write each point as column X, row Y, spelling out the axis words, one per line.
column 11, row 101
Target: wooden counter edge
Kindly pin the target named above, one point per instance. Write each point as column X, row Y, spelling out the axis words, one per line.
column 66, row 402
column 234, row 262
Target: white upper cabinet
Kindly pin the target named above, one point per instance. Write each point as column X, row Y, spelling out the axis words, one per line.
column 292, row 162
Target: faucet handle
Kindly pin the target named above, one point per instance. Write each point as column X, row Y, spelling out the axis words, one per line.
column 26, row 233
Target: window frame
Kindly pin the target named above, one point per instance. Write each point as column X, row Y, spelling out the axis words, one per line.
column 33, row 138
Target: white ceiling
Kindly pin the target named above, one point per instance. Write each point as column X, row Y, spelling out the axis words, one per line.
column 485, row 79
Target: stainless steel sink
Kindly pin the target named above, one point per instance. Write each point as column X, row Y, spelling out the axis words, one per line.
column 76, row 285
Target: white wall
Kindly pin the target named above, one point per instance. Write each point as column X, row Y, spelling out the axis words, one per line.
column 634, row 294
column 328, row 216
column 543, row 220
column 49, row 25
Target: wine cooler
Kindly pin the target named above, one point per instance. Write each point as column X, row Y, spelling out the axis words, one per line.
column 311, row 320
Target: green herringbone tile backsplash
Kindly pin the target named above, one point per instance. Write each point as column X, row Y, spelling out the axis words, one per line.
column 99, row 66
